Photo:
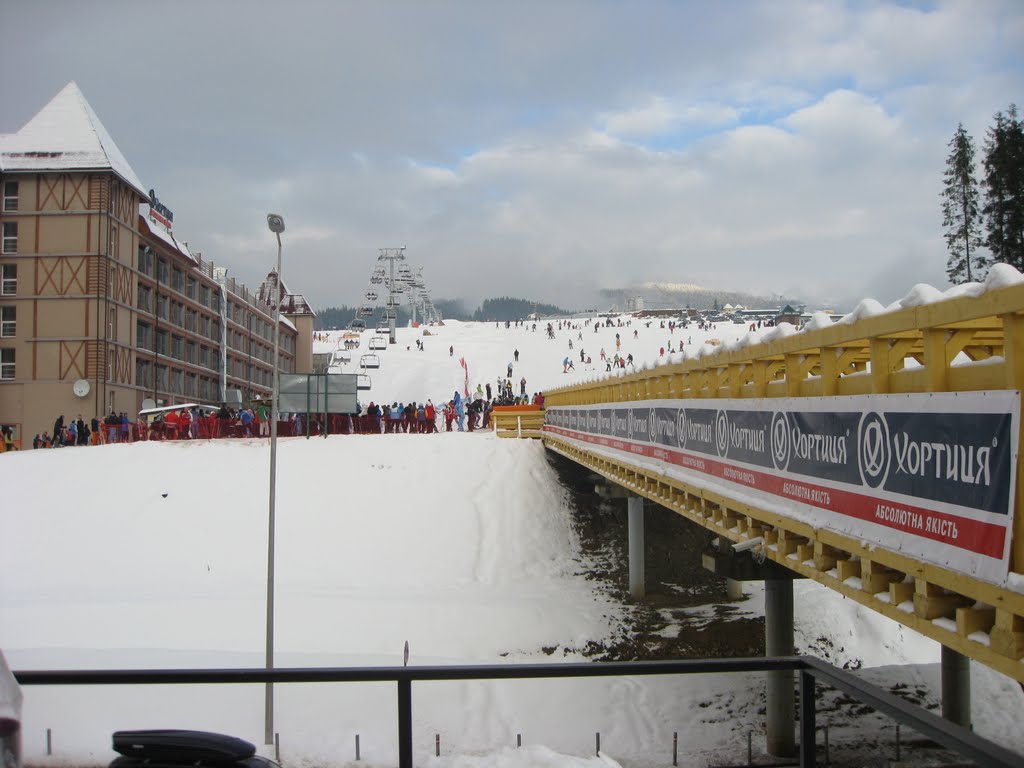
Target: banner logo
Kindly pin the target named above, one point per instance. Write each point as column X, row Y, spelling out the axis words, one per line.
column 722, row 433
column 874, row 455
column 780, row 441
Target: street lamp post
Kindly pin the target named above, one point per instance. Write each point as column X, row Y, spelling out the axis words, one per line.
column 276, row 225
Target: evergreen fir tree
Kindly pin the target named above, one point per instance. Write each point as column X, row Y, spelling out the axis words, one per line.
column 1004, row 189
column 960, row 215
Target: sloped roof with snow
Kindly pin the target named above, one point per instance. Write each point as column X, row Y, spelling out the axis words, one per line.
column 291, row 303
column 66, row 135
column 157, row 231
column 296, row 304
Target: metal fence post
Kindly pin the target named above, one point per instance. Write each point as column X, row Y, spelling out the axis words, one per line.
column 807, row 724
column 405, row 723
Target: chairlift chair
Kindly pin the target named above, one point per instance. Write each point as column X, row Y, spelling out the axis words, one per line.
column 357, row 325
column 363, row 381
column 369, row 361
column 378, row 342
column 366, row 311
column 371, row 295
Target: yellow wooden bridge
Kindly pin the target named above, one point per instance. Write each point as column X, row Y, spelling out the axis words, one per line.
column 924, row 527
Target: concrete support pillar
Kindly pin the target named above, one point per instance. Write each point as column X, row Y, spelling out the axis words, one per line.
column 778, row 630
column 637, row 585
column 956, row 687
column 734, row 589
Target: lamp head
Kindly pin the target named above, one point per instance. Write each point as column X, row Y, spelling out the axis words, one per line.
column 275, row 223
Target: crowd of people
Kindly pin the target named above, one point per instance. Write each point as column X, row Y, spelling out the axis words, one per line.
column 204, row 422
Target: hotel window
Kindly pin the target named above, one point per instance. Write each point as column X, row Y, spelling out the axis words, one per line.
column 178, row 281
column 10, row 195
column 177, row 344
column 161, row 342
column 8, row 322
column 10, row 280
column 145, row 260
column 143, row 336
column 143, row 373
column 162, row 271
column 10, row 243
column 6, row 363
column 190, row 288
column 144, row 298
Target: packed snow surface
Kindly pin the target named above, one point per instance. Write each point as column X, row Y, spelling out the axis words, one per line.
column 153, row 555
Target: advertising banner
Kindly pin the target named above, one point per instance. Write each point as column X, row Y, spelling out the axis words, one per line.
column 929, row 475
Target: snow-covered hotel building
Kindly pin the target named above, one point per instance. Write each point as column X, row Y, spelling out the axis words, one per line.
column 102, row 308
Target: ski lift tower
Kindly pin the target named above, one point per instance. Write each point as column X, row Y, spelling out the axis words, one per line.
column 415, row 286
column 391, row 255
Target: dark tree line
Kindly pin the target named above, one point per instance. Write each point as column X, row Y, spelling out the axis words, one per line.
column 507, row 308
column 989, row 215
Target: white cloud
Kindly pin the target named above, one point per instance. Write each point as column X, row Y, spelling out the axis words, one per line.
column 660, row 116
column 546, row 148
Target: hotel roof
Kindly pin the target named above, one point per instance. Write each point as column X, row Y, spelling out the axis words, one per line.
column 66, row 135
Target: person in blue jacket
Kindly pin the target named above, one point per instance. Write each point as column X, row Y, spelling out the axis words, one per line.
column 460, row 412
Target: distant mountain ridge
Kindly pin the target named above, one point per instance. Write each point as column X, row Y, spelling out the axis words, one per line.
column 668, row 295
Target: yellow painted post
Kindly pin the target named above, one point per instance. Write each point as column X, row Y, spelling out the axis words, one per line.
column 736, row 380
column 760, row 378
column 880, row 366
column 829, row 371
column 935, row 361
column 1013, row 352
column 794, row 374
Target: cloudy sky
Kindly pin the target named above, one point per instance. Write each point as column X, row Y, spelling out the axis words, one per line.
column 545, row 148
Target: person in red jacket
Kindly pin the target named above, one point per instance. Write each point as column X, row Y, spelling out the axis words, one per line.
column 171, row 425
column 185, row 424
column 431, row 417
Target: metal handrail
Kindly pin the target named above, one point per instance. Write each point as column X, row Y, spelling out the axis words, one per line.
column 811, row 670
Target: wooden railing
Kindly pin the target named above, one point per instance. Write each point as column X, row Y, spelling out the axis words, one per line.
column 518, row 420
